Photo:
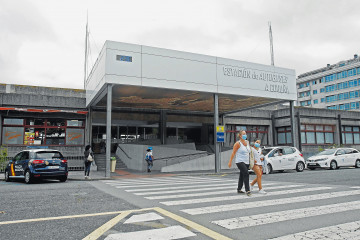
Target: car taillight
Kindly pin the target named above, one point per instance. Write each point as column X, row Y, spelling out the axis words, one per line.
column 301, row 155
column 38, row 161
column 64, row 161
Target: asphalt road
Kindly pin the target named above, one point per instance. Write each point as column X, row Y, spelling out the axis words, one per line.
column 196, row 206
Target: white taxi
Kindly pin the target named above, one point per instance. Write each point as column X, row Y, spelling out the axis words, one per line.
column 283, row 158
column 335, row 158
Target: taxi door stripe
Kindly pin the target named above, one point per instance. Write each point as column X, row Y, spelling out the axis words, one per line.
column 12, row 170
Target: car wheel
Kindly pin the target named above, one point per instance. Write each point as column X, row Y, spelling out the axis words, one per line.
column 63, row 179
column 7, row 178
column 311, row 168
column 357, row 163
column 333, row 165
column 28, row 178
column 300, row 166
column 270, row 169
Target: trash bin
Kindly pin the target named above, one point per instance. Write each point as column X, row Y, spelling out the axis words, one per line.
column 113, row 164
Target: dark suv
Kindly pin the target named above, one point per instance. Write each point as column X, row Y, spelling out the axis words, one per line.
column 37, row 164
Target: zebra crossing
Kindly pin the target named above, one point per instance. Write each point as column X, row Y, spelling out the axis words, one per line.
column 306, row 209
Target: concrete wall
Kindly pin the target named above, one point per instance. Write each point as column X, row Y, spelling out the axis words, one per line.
column 201, row 164
column 133, row 155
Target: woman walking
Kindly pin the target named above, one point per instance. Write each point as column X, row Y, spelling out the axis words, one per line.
column 258, row 169
column 241, row 152
column 89, row 158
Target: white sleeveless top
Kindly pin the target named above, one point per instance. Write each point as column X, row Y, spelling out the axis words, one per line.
column 242, row 154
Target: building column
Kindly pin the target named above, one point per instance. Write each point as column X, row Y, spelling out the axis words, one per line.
column 162, row 127
column 88, row 126
column 1, row 129
column 216, row 144
column 292, row 123
column 341, row 140
column 299, row 130
column 273, row 134
column 108, row 130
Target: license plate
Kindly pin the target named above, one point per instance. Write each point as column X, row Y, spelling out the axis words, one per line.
column 311, row 163
column 53, row 167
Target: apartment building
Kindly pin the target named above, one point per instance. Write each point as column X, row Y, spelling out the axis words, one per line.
column 335, row 86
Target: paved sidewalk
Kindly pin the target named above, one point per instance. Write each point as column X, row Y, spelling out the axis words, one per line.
column 127, row 173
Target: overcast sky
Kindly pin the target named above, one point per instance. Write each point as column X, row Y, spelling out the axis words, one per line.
column 42, row 42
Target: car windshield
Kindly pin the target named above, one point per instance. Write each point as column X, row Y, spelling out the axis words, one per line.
column 327, row 152
column 265, row 151
column 48, row 155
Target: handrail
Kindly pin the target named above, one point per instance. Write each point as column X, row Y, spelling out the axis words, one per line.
column 124, row 152
column 180, row 156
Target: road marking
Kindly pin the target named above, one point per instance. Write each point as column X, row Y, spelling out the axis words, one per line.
column 201, row 188
column 151, row 180
column 241, row 196
column 206, row 231
column 144, row 218
column 211, row 193
column 135, row 191
column 342, row 231
column 173, row 232
column 272, row 202
column 274, row 217
column 356, row 187
column 64, row 217
column 101, row 230
column 147, row 180
column 167, row 184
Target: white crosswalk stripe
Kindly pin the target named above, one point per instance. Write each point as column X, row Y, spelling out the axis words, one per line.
column 260, row 219
column 202, row 195
column 237, row 197
column 341, row 231
column 238, row 206
column 211, row 193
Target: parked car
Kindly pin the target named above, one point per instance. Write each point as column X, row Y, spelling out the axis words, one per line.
column 334, row 158
column 283, row 158
column 37, row 164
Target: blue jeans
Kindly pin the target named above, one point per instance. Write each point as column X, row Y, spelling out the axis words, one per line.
column 87, row 168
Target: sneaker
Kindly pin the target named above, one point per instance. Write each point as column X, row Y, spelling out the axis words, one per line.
column 248, row 193
column 262, row 191
column 251, row 188
column 86, row 177
column 239, row 191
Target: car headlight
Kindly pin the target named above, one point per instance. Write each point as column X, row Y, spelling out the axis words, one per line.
column 321, row 159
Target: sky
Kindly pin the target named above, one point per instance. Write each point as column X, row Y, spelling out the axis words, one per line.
column 42, row 43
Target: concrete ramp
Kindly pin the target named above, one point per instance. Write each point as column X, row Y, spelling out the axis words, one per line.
column 201, row 164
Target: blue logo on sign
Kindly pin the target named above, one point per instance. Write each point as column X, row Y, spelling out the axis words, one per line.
column 123, row 58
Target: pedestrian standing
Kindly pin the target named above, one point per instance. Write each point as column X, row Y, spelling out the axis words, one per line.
column 258, row 169
column 149, row 158
column 241, row 152
column 89, row 158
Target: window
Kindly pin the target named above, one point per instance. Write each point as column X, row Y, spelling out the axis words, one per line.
column 351, row 134
column 317, row 134
column 308, row 93
column 322, row 90
column 42, row 131
column 315, row 92
column 301, row 85
column 302, row 103
column 314, row 82
column 253, row 132
column 322, row 99
column 309, row 102
column 322, row 80
column 284, row 136
column 308, row 84
column 316, row 101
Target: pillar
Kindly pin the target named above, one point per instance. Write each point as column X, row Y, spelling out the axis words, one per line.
column 216, row 144
column 108, row 130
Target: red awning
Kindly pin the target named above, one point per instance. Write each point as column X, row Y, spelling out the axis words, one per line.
column 42, row 110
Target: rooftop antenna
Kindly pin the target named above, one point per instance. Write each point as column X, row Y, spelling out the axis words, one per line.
column 86, row 50
column 271, row 45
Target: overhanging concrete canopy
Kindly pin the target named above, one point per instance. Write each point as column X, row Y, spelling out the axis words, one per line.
column 160, row 79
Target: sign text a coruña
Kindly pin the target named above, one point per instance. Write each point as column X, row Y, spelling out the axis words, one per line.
column 280, row 88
